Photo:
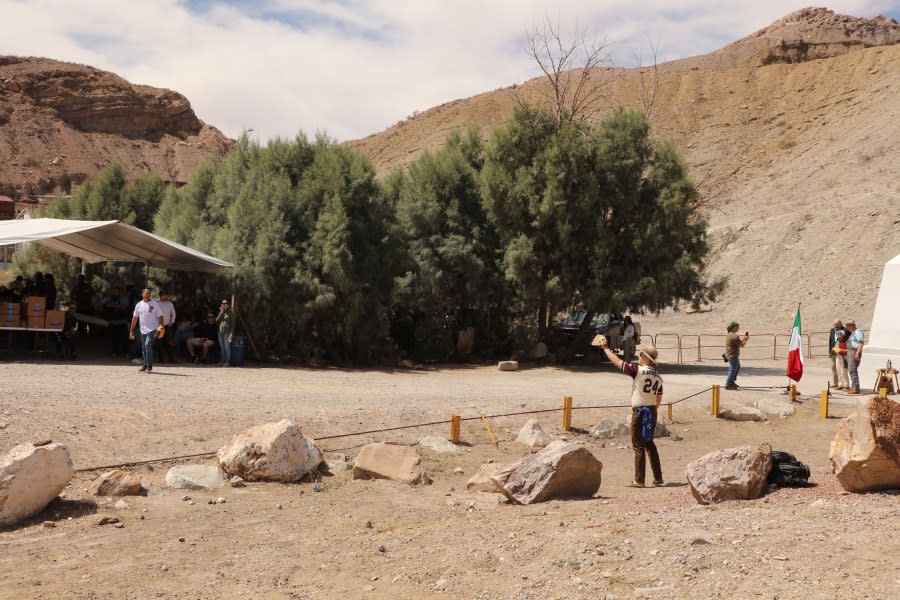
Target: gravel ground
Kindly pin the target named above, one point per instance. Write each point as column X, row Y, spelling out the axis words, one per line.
column 339, row 538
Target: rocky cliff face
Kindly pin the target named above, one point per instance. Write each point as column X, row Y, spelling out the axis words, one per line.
column 814, row 33
column 790, row 134
column 62, row 122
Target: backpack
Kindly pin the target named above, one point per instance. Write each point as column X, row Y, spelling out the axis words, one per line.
column 787, row 471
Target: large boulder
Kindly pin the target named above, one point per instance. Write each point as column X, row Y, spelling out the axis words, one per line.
column 117, row 483
column 734, row 474
column 864, row 451
column 271, row 452
column 194, row 477
column 390, row 461
column 561, row 470
column 31, row 476
column 533, row 435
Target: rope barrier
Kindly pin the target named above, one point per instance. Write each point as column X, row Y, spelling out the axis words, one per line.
column 383, row 430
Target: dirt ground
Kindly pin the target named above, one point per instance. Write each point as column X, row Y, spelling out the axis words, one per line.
column 341, row 538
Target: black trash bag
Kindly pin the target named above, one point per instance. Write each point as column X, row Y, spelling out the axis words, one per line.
column 787, row 471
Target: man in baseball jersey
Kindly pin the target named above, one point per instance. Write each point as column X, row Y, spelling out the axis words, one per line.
column 646, row 396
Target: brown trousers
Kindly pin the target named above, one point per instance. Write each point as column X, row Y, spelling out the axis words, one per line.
column 642, row 448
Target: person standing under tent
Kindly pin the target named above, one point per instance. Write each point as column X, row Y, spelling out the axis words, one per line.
column 225, row 321
column 165, row 346
column 146, row 315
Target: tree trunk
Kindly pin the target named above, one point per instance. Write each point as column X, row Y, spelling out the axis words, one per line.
column 581, row 339
column 542, row 319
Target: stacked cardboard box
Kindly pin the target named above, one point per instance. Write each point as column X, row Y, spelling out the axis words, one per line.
column 55, row 319
column 35, row 307
column 9, row 314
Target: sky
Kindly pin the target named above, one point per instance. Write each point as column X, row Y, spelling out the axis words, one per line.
column 352, row 68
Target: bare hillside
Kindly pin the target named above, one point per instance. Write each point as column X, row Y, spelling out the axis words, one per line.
column 62, row 122
column 790, row 132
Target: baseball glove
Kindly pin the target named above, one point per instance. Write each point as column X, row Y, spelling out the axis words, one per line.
column 599, row 340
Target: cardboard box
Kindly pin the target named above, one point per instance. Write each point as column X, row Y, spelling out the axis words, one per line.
column 55, row 319
column 35, row 307
column 35, row 323
column 9, row 314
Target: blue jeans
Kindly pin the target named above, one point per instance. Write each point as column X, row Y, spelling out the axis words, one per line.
column 734, row 367
column 147, row 340
column 225, row 348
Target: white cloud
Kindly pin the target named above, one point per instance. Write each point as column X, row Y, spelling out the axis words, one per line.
column 354, row 67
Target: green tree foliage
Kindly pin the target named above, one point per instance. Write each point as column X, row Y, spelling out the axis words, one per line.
column 308, row 232
column 451, row 281
column 105, row 198
column 603, row 218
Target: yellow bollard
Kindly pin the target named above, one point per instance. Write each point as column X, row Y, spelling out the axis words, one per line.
column 882, row 392
column 454, row 428
column 823, row 405
column 490, row 433
column 792, row 393
column 714, row 408
column 567, row 413
column 670, row 412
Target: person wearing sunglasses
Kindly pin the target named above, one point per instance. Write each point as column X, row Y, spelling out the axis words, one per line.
column 225, row 321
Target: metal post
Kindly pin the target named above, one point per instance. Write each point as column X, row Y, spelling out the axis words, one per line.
column 823, row 405
column 670, row 412
column 714, row 408
column 454, row 428
column 567, row 413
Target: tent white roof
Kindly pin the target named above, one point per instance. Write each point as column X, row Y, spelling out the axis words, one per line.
column 882, row 343
column 100, row 241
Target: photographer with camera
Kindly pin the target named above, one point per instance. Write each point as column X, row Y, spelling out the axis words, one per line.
column 733, row 345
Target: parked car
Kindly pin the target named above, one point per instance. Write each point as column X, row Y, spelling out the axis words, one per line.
column 605, row 323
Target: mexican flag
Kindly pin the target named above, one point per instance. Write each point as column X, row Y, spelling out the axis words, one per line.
column 795, row 351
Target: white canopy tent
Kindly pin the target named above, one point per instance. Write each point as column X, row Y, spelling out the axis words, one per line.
column 100, row 241
column 883, row 341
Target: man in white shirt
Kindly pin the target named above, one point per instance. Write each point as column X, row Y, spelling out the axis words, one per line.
column 146, row 314
column 165, row 346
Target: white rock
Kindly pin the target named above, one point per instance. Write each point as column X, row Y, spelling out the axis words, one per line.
column 775, row 406
column 508, row 365
column 390, row 461
column 607, row 429
column 194, row 477
column 533, row 435
column 438, row 444
column 30, row 478
column 271, row 452
column 742, row 413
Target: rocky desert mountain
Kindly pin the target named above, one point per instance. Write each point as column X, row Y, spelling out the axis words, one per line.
column 62, row 122
column 791, row 134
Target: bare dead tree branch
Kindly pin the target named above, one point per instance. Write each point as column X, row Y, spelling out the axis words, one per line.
column 575, row 95
column 649, row 83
